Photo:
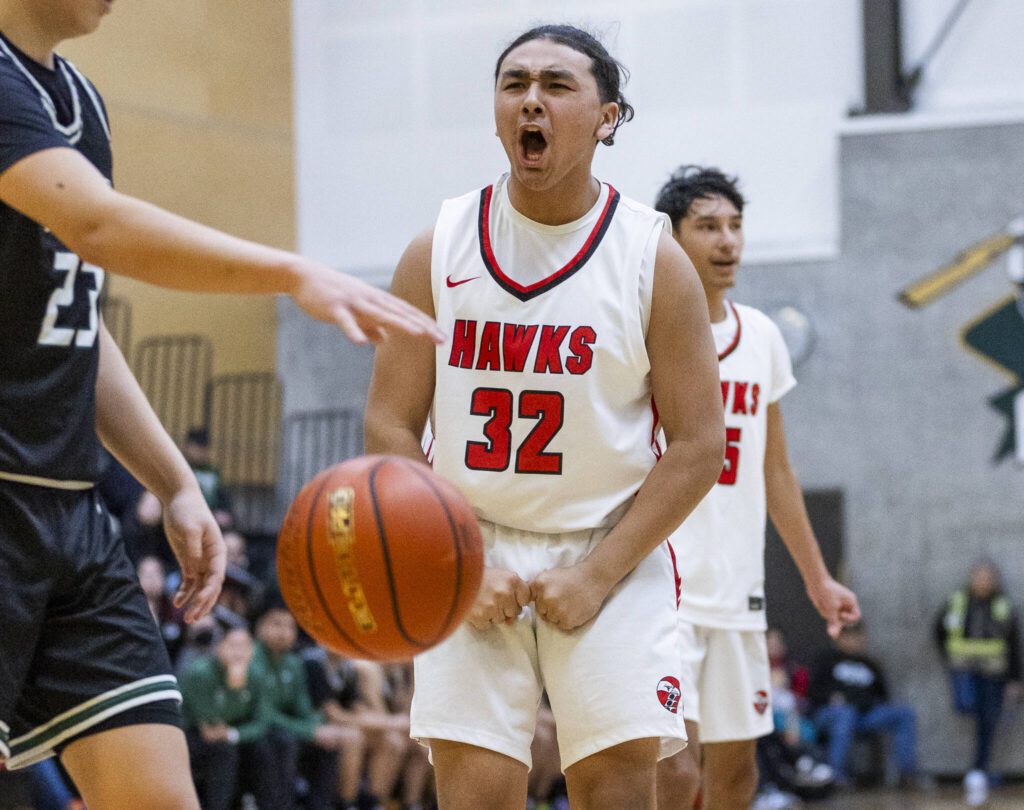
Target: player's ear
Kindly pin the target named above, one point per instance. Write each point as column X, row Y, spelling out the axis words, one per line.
column 609, row 115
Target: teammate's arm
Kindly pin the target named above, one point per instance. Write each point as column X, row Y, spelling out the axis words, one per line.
column 132, row 432
column 62, row 191
column 401, row 392
column 684, row 378
column 836, row 604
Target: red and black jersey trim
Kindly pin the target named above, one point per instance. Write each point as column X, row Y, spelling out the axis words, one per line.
column 736, row 339
column 575, row 264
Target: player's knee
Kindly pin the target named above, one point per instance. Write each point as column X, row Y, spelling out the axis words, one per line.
column 682, row 769
column 621, row 776
column 732, row 783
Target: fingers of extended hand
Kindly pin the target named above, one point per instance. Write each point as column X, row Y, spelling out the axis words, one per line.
column 213, row 562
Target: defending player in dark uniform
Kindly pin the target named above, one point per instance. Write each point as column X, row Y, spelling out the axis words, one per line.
column 83, row 671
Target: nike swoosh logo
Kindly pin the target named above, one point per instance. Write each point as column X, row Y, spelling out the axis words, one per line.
column 451, row 283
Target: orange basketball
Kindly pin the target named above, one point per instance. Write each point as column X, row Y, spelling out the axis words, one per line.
column 379, row 558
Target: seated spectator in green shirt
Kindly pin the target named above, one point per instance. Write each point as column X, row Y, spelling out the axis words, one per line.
column 296, row 729
column 225, row 710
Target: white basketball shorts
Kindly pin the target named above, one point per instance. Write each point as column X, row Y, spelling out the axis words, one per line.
column 725, row 682
column 611, row 681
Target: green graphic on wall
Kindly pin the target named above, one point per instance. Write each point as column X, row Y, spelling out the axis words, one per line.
column 996, row 335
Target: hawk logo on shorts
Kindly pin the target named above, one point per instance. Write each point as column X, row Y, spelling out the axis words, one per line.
column 761, row 701
column 669, row 693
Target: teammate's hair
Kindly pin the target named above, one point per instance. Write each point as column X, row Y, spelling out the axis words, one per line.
column 689, row 183
column 608, row 71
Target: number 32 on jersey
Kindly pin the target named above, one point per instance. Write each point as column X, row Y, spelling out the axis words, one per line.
column 495, row 454
column 72, row 312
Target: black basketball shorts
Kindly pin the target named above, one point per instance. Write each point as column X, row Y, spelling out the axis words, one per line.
column 78, row 644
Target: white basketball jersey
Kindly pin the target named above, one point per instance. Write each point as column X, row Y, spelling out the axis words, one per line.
column 719, row 549
column 542, row 412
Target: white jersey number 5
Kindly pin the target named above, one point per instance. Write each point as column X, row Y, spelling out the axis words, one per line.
column 83, row 335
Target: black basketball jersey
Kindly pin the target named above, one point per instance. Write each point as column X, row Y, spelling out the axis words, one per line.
column 49, row 317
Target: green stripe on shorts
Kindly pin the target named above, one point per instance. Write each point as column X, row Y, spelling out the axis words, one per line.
column 81, row 717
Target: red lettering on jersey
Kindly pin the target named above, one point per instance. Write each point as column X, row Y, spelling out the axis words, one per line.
column 490, row 347
column 739, row 397
column 583, row 337
column 549, row 358
column 725, row 392
column 757, row 395
column 516, row 344
column 463, row 344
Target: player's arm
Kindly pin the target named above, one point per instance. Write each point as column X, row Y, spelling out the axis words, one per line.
column 62, row 191
column 402, row 383
column 401, row 392
column 836, row 604
column 684, row 378
column 132, row 432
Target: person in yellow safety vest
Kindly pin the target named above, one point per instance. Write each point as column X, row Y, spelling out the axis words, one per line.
column 978, row 637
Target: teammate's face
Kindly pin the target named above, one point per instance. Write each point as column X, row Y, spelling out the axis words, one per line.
column 548, row 112
column 711, row 233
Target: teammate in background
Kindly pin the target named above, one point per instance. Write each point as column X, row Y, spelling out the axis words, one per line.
column 83, row 671
column 719, row 550
column 568, row 308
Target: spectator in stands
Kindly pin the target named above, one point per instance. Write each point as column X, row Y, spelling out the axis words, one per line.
column 849, row 694
column 978, row 636
column 414, row 770
column 237, row 549
column 226, row 713
column 197, row 454
column 295, row 727
column 788, row 769
column 201, row 639
column 143, row 530
column 353, row 696
column 169, row 619
column 120, row 490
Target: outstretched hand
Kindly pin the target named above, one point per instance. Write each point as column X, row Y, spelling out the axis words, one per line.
column 364, row 313
column 837, row 605
column 196, row 541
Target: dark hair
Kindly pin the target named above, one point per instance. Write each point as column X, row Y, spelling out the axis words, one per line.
column 198, row 435
column 689, row 183
column 608, row 71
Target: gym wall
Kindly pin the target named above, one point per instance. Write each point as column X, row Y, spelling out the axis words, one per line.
column 200, row 100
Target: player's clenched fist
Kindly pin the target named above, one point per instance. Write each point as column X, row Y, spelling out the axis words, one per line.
column 567, row 597
column 502, row 596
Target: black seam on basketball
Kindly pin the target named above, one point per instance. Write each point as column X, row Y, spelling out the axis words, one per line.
column 457, row 539
column 313, row 572
column 382, row 534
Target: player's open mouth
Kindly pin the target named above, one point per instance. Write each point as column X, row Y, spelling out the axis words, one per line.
column 532, row 145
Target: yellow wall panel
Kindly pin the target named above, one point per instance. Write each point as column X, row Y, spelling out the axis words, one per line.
column 200, row 99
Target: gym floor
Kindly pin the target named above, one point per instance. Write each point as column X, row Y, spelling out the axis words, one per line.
column 942, row 798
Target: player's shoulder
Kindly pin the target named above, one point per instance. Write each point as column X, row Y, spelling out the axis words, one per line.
column 754, row 319
column 639, row 210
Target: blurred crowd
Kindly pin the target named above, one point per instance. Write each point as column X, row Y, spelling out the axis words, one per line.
column 275, row 721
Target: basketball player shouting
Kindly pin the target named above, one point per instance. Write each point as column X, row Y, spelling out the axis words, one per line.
column 720, row 548
column 83, row 671
column 568, row 308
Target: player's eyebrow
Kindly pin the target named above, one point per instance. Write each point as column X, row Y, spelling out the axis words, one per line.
column 548, row 74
